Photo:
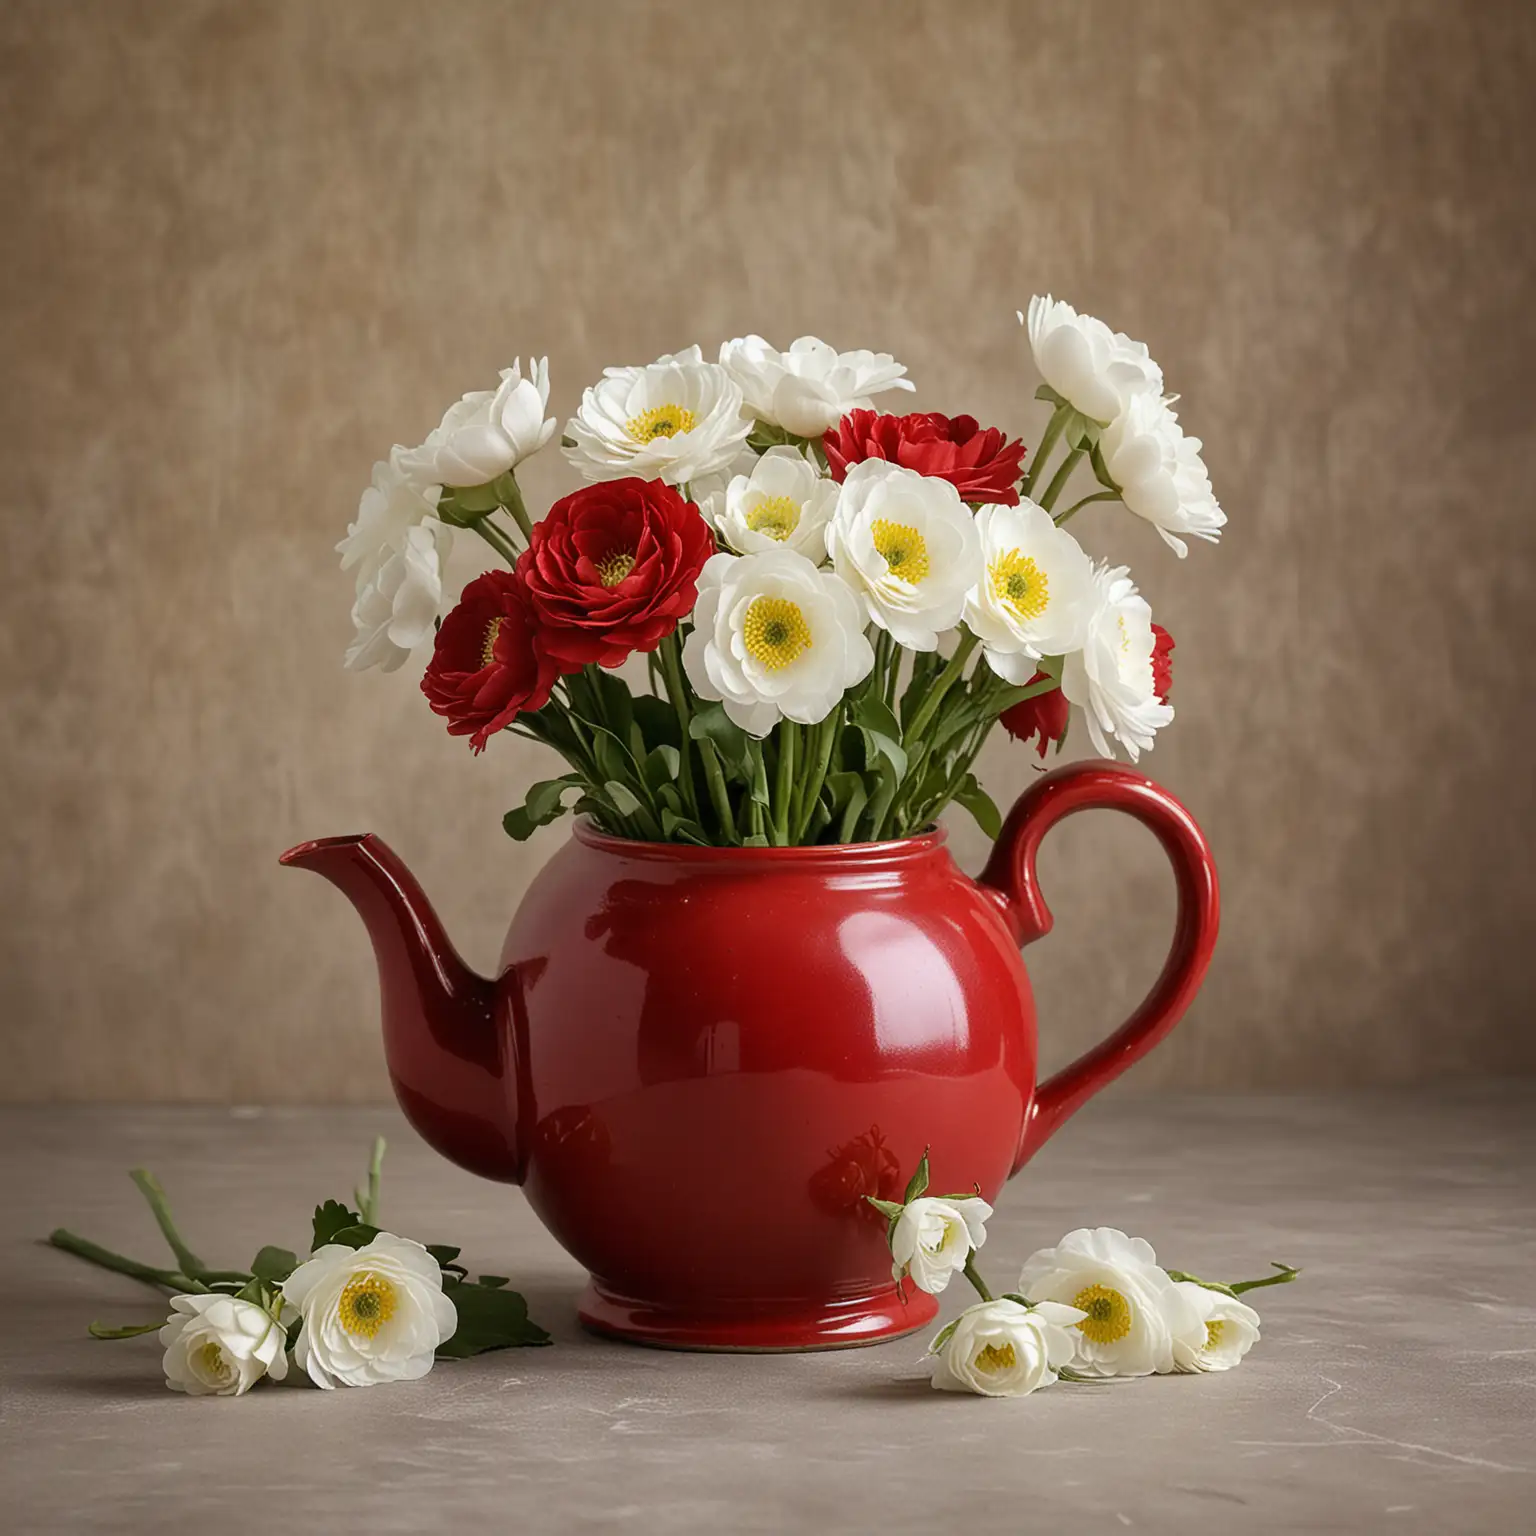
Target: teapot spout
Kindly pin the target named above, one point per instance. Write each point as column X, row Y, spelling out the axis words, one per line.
column 443, row 1041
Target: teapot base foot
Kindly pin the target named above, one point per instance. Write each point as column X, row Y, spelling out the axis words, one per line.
column 766, row 1329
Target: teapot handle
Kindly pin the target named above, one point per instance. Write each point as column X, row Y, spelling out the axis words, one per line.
column 1011, row 877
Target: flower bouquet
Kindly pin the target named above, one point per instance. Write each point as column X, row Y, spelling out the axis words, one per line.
column 834, row 606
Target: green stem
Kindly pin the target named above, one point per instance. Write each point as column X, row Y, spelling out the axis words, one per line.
column 975, row 1279
column 149, row 1187
column 368, row 1204
column 1053, row 430
column 719, row 795
column 1060, row 478
column 517, row 506
column 1099, row 496
column 811, row 789
column 941, row 685
column 1287, row 1274
column 496, row 539
column 93, row 1253
column 670, row 656
column 789, row 741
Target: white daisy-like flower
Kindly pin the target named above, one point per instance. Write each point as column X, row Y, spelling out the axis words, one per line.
column 370, row 1314
column 811, row 387
column 220, row 1346
column 1036, row 594
column 398, row 547
column 782, row 500
column 1221, row 1331
column 1001, row 1349
column 1160, row 472
column 908, row 546
column 678, row 419
column 488, row 432
column 1131, row 1309
column 1110, row 679
column 1091, row 367
column 933, row 1239
column 774, row 638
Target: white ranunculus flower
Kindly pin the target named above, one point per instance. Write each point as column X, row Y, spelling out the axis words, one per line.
column 811, row 387
column 703, row 489
column 488, row 432
column 220, row 1346
column 369, row 1314
column 782, row 500
column 1090, row 366
column 679, row 419
column 774, row 638
column 1001, row 1349
column 933, row 1239
column 1217, row 1333
column 1160, row 472
column 1132, row 1309
column 1110, row 678
column 398, row 546
column 1036, row 594
column 908, row 546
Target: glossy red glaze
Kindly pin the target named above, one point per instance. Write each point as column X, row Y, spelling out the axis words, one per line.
column 698, row 1061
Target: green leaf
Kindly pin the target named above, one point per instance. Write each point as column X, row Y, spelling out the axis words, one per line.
column 890, row 1209
column 543, row 805
column 657, row 721
column 625, row 801
column 358, row 1235
column 1045, row 392
column 760, row 779
column 661, row 767
column 871, row 714
column 443, row 1253
column 274, row 1264
column 1100, row 469
column 943, row 1336
column 493, row 1282
column 675, row 825
column 489, row 1318
column 853, row 808
column 618, row 703
column 981, row 805
column 887, row 747
column 919, row 1180
column 132, row 1331
column 712, row 724
column 1081, row 431
column 330, row 1218
column 755, row 840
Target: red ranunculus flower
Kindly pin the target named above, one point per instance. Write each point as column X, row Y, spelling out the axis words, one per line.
column 1162, row 663
column 488, row 667
column 981, row 465
column 612, row 568
column 1044, row 716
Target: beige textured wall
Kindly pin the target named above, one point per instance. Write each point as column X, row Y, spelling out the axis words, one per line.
column 247, row 245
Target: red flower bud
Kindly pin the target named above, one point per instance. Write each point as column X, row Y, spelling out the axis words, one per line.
column 487, row 666
column 980, row 464
column 1044, row 716
column 1162, row 663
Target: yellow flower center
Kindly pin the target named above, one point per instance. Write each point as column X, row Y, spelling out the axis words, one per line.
column 211, row 1357
column 777, row 516
column 659, row 421
column 945, row 1237
column 366, row 1305
column 488, row 648
column 614, row 567
column 1020, row 583
column 995, row 1358
column 903, row 548
column 1109, row 1314
column 775, row 632
column 1213, row 1332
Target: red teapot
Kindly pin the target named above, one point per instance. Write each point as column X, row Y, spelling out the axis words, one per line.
column 698, row 1061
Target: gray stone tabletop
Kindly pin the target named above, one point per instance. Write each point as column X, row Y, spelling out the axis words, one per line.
column 1394, row 1388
